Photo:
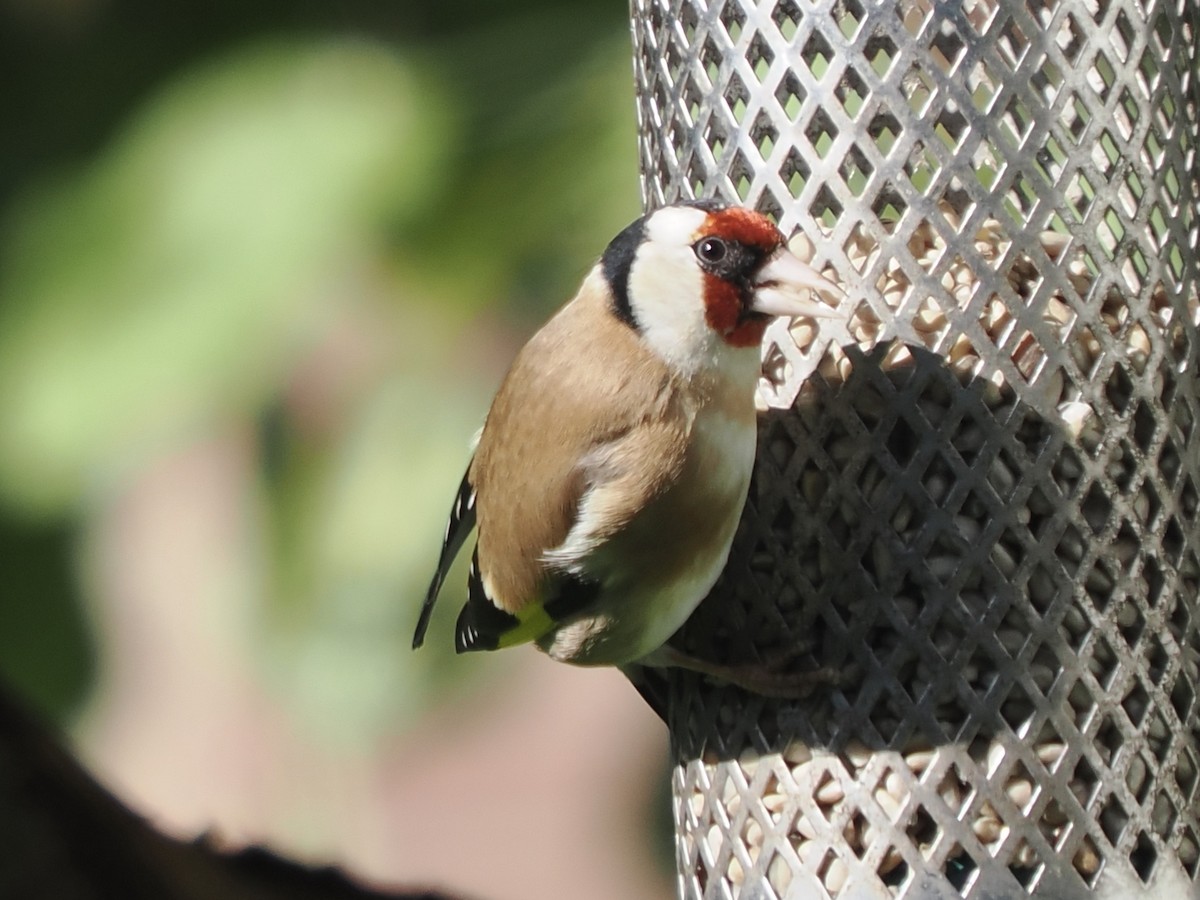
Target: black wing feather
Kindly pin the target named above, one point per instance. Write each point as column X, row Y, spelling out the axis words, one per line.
column 462, row 520
column 482, row 624
column 481, row 621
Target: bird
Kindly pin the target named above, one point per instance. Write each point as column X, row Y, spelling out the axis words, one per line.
column 614, row 462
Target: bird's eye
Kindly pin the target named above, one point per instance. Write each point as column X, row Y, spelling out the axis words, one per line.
column 711, row 250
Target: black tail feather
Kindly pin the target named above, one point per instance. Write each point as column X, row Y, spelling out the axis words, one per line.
column 481, row 621
column 462, row 520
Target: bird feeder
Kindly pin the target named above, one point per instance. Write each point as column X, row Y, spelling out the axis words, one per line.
column 974, row 510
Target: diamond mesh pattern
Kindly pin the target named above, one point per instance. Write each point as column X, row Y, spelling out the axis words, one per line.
column 977, row 501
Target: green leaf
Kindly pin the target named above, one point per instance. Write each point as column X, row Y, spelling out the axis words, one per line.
column 175, row 278
column 358, row 525
column 46, row 653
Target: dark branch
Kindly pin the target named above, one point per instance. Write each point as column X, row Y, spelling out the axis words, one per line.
column 65, row 837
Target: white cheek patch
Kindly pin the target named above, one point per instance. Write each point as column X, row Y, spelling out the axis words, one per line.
column 666, row 289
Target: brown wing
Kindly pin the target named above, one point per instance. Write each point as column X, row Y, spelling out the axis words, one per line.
column 561, row 423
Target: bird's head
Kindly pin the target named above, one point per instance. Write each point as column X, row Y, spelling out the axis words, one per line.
column 702, row 279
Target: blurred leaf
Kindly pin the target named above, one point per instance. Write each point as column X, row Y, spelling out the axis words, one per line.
column 45, row 652
column 360, row 525
column 175, row 278
column 549, row 177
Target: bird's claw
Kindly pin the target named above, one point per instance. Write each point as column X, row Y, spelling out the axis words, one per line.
column 776, row 678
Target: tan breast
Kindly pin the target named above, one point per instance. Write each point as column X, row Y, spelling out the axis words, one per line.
column 663, row 563
column 584, row 380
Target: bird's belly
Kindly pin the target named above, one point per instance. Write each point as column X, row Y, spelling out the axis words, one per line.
column 656, row 572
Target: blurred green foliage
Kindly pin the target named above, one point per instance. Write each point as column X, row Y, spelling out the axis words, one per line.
column 193, row 200
column 171, row 279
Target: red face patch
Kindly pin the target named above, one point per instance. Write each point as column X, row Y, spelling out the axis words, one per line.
column 724, row 306
column 726, row 315
column 744, row 226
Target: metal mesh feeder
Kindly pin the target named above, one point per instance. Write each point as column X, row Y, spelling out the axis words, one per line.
column 977, row 501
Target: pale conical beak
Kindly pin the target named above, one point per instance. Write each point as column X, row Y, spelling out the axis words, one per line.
column 785, row 286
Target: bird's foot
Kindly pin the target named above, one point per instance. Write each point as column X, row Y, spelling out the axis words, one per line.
column 770, row 678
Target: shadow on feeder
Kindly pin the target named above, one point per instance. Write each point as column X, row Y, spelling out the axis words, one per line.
column 914, row 533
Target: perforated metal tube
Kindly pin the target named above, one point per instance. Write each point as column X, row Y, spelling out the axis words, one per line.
column 977, row 503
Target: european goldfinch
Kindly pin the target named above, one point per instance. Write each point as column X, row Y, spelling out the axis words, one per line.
column 613, row 465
